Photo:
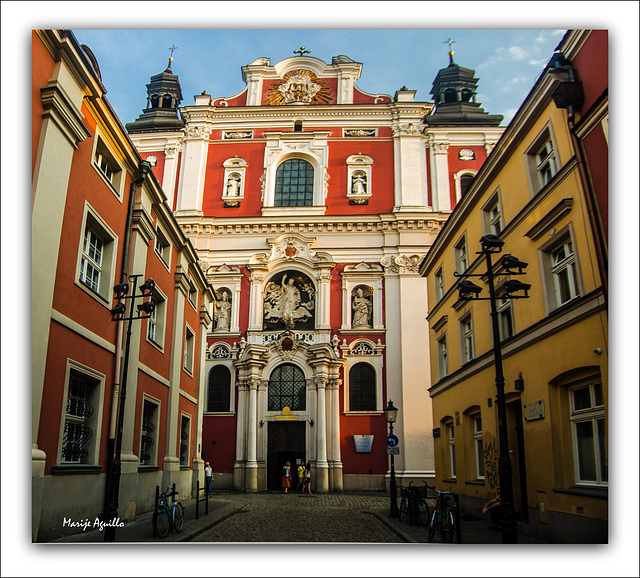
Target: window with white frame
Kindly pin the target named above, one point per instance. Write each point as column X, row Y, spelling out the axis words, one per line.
column 219, row 389
column 563, row 264
column 443, row 357
column 107, row 167
column 80, row 435
column 193, row 294
column 189, row 347
column 439, row 284
column 589, row 434
column 451, row 443
column 156, row 321
column 542, row 160
column 461, row 256
column 294, row 184
column 163, row 246
column 149, row 432
column 185, row 440
column 505, row 316
column 362, row 388
column 466, row 339
column 96, row 258
column 478, row 446
column 492, row 216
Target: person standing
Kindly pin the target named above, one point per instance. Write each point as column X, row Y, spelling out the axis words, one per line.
column 300, row 477
column 286, row 477
column 307, row 479
column 208, row 477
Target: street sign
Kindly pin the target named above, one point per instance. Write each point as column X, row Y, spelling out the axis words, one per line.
column 392, row 441
column 393, row 451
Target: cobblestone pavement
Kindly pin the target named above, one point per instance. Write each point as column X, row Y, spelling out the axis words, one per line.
column 303, row 518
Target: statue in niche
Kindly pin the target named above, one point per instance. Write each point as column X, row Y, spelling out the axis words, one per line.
column 361, row 306
column 359, row 184
column 233, row 185
column 223, row 313
column 284, row 302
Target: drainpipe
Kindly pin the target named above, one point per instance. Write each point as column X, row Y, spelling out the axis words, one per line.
column 144, row 168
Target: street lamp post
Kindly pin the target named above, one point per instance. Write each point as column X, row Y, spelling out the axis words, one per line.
column 390, row 413
column 117, row 314
column 492, row 244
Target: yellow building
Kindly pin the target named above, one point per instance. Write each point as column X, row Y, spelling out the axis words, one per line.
column 531, row 194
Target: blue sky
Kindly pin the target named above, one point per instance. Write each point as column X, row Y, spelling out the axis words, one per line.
column 506, row 61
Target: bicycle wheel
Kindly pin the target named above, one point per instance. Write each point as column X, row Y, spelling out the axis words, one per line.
column 448, row 527
column 163, row 523
column 178, row 517
column 403, row 508
column 424, row 513
column 413, row 512
column 433, row 524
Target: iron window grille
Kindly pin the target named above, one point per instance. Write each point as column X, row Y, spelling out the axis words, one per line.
column 147, row 437
column 219, row 388
column 294, row 184
column 77, row 431
column 287, row 388
column 362, row 388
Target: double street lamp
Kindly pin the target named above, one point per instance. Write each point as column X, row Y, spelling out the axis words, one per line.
column 491, row 244
column 118, row 313
column 390, row 414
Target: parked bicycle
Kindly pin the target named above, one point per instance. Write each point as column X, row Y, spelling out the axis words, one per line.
column 170, row 513
column 413, row 505
column 444, row 518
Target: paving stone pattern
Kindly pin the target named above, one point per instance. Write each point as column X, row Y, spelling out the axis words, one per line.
column 302, row 518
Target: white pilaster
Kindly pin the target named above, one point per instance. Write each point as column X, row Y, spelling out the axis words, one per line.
column 439, row 159
column 241, row 437
column 322, row 471
column 192, row 171
column 252, row 418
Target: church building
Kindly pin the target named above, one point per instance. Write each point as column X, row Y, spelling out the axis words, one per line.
column 311, row 204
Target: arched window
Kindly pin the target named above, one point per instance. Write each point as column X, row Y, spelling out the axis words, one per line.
column 362, row 388
column 465, row 183
column 219, row 390
column 287, row 388
column 294, row 184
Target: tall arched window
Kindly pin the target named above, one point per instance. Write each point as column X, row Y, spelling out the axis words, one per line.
column 362, row 388
column 294, row 184
column 219, row 390
column 465, row 183
column 287, row 388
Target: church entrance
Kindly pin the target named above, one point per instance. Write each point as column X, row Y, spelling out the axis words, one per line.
column 286, row 444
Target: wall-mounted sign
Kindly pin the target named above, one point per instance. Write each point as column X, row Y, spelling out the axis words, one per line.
column 436, row 432
column 393, row 451
column 363, row 443
column 534, row 410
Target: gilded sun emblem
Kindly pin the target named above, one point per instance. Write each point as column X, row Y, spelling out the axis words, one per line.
column 299, row 87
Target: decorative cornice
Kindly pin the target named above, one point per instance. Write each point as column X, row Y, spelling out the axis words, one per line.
column 59, row 108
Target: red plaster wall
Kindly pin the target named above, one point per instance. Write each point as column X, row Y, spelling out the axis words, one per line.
column 222, row 430
column 41, row 71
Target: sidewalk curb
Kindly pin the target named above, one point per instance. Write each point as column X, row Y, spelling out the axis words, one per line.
column 394, row 528
column 187, row 537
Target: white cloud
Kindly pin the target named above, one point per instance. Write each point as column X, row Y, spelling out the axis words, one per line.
column 517, row 53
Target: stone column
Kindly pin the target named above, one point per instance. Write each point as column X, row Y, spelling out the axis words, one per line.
column 334, row 435
column 241, row 436
column 322, row 467
column 255, row 300
column 252, row 419
column 170, row 172
column 439, row 160
column 192, row 170
column 323, row 301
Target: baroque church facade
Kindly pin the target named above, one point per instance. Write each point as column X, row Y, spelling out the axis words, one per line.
column 310, row 204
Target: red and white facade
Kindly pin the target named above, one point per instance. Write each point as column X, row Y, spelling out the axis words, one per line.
column 310, row 204
column 88, row 235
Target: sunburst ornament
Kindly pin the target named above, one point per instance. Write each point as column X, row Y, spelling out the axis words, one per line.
column 299, row 87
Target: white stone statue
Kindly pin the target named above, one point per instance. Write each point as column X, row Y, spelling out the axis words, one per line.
column 283, row 302
column 233, row 186
column 361, row 307
column 358, row 186
column 223, row 313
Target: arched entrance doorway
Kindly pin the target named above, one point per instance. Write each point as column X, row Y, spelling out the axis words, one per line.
column 286, row 437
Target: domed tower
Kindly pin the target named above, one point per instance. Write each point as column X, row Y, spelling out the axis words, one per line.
column 454, row 93
column 163, row 97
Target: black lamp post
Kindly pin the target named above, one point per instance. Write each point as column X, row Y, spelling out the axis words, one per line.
column 390, row 414
column 117, row 314
column 512, row 266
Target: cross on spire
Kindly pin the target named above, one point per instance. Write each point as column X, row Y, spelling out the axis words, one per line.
column 173, row 47
column 450, row 42
column 302, row 51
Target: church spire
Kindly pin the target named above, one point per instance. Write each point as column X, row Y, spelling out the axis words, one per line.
column 450, row 42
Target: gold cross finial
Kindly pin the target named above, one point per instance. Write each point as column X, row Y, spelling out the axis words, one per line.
column 302, row 51
column 450, row 42
column 173, row 47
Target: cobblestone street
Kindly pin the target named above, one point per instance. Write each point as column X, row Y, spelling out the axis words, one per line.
column 303, row 518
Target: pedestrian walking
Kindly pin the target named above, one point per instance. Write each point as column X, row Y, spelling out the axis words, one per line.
column 307, row 479
column 300, row 477
column 286, row 477
column 208, row 477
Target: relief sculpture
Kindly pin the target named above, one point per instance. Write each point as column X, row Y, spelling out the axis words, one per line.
column 290, row 301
